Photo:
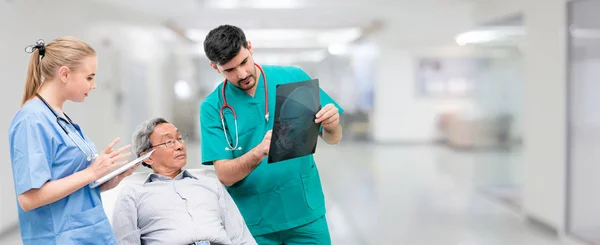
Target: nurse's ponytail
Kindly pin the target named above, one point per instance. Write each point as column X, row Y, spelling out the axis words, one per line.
column 34, row 75
column 46, row 59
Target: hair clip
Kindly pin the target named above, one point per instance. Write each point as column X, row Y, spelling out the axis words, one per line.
column 40, row 45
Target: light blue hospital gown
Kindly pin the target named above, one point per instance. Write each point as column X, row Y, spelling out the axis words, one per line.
column 41, row 151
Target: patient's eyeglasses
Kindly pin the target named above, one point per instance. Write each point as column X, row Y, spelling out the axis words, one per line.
column 170, row 143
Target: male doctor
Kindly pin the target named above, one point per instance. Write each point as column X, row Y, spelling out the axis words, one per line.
column 282, row 203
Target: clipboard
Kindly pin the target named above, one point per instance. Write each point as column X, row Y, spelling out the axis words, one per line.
column 295, row 133
column 120, row 170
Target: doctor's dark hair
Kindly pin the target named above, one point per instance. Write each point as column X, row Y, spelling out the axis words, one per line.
column 45, row 59
column 223, row 43
column 141, row 136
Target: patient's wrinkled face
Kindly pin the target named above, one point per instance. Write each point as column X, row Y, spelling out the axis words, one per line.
column 171, row 152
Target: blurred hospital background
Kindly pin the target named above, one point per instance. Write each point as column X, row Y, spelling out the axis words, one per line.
column 468, row 122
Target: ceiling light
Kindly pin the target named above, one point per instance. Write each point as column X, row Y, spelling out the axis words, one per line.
column 476, row 37
column 256, row 4
column 338, row 49
column 223, row 4
column 290, row 38
column 488, row 35
column 182, row 90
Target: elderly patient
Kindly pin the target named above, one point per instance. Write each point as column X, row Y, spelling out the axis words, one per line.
column 172, row 206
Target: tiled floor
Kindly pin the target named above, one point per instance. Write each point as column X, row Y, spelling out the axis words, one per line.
column 414, row 195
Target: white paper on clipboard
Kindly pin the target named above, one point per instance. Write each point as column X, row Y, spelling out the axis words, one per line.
column 120, row 170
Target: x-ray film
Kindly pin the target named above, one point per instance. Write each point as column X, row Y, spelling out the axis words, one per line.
column 295, row 132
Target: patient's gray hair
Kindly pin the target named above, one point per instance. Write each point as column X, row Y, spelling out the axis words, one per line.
column 141, row 136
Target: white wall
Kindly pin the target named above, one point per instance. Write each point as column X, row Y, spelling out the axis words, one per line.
column 544, row 112
column 400, row 115
column 585, row 136
column 584, row 217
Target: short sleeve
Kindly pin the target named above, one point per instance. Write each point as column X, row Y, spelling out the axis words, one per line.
column 212, row 136
column 29, row 151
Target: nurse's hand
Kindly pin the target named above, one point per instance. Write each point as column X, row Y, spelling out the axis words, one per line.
column 328, row 116
column 114, row 182
column 109, row 160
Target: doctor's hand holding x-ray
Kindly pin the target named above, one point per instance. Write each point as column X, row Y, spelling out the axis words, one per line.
column 262, row 150
column 329, row 117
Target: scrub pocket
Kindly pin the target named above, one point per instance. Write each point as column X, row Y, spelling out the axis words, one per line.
column 88, row 227
column 312, row 188
column 250, row 207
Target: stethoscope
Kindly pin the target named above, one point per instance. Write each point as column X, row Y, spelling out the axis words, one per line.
column 230, row 146
column 70, row 122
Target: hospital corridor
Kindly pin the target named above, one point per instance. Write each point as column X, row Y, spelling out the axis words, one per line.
column 436, row 122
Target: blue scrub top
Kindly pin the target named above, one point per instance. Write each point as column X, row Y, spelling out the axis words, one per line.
column 41, row 151
column 273, row 197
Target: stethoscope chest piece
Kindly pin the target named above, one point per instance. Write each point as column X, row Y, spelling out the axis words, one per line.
column 90, row 158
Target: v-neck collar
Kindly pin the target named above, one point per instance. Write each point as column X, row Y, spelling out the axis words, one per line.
column 239, row 94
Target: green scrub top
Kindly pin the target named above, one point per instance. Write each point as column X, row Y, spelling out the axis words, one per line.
column 273, row 197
